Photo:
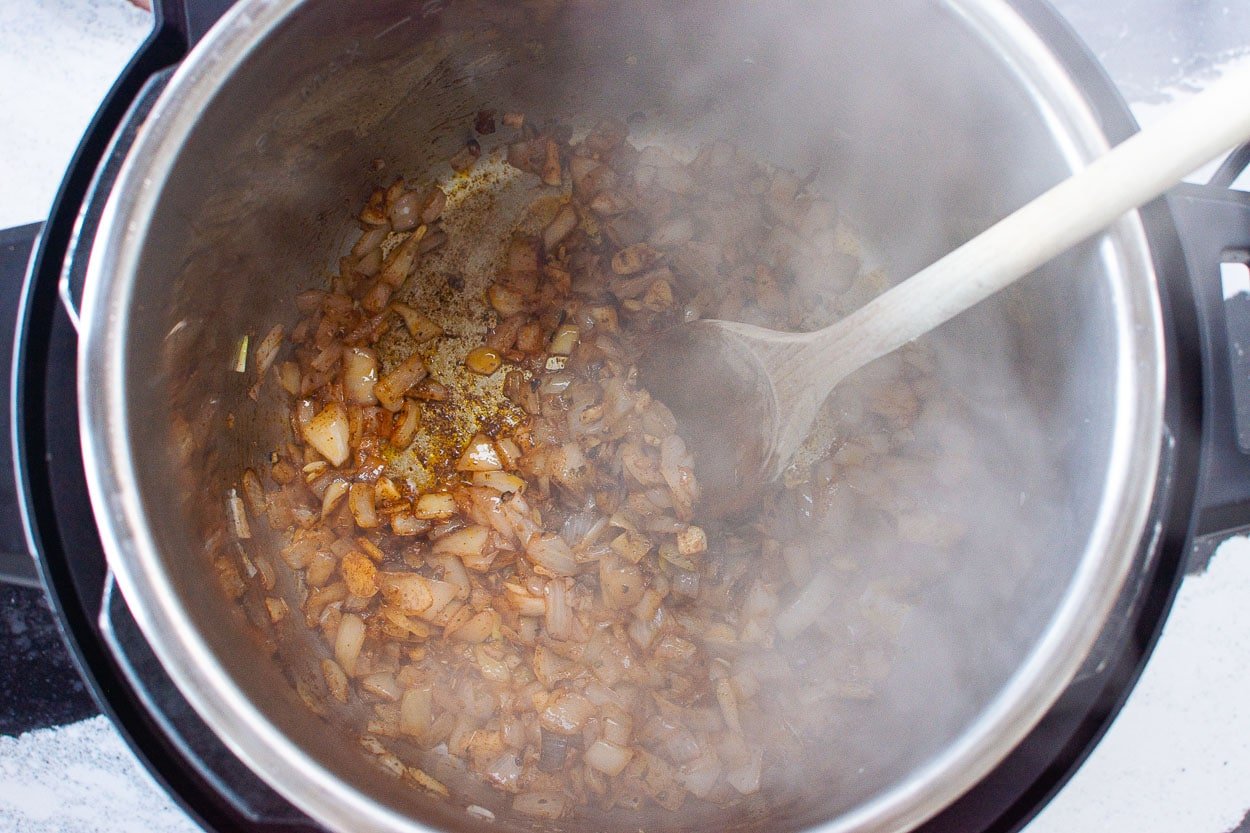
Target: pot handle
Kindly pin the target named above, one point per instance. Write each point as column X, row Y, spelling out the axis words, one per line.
column 87, row 223
column 178, row 26
column 1214, row 225
column 65, row 232
column 16, row 244
column 54, row 254
column 60, row 246
column 237, row 796
column 190, row 20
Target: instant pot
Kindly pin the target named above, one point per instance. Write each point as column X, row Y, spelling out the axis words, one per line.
column 280, row 74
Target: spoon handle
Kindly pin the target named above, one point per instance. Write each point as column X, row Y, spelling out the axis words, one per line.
column 1133, row 173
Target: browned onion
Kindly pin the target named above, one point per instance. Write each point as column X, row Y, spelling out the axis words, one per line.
column 360, row 374
column 391, row 388
column 549, row 611
column 566, row 713
column 551, row 554
column 328, row 431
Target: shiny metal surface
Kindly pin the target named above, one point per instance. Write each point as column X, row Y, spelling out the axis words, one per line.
column 927, row 120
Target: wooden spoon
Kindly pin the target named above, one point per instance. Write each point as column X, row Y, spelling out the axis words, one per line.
column 745, row 396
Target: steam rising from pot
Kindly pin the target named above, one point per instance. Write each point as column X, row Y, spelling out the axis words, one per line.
column 904, row 117
column 1010, row 435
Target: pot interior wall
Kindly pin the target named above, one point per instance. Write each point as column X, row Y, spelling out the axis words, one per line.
column 900, row 111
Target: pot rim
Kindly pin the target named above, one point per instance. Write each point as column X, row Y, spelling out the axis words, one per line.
column 291, row 771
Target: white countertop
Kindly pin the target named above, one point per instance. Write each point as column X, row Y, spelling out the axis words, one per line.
column 1177, row 760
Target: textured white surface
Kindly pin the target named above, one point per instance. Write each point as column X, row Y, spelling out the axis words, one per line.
column 1176, row 761
column 57, row 60
column 80, row 779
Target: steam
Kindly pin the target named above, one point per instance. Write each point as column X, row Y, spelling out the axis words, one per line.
column 923, row 139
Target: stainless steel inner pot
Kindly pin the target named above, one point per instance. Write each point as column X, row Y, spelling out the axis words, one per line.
column 926, row 120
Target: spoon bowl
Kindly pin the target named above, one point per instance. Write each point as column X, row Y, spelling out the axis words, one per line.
column 725, row 406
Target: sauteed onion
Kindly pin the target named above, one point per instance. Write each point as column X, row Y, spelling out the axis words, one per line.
column 552, row 615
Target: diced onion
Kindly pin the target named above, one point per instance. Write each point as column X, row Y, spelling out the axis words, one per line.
column 728, row 701
column 390, row 389
column 267, row 350
column 479, row 455
column 633, row 259
column 691, row 541
column 405, row 213
column 746, row 777
column 564, row 340
column 431, row 391
column 426, row 781
column 811, row 601
column 509, row 452
column 463, row 542
column 336, row 680
column 254, row 492
column 416, row 712
column 328, row 433
column 616, row 724
column 524, row 602
column 567, row 713
column 435, row 506
column 432, row 204
column 360, row 374
column 675, row 231
column 333, row 496
column 420, row 326
column 478, row 629
column 381, row 684
column 454, row 572
column 506, row 301
column 559, row 228
column 483, row 360
column 289, row 377
column 608, row 758
column 238, row 515
column 369, row 241
column 399, row 264
column 699, row 775
column 492, row 668
column 348, row 642
column 277, row 609
column 360, row 501
column 544, row 608
column 500, row 481
column 360, row 574
column 599, row 694
column 552, row 554
column 479, row 812
column 405, row 523
column 416, row 594
column 559, row 619
column 409, row 420
column 551, row 164
column 621, row 582
column 504, row 771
